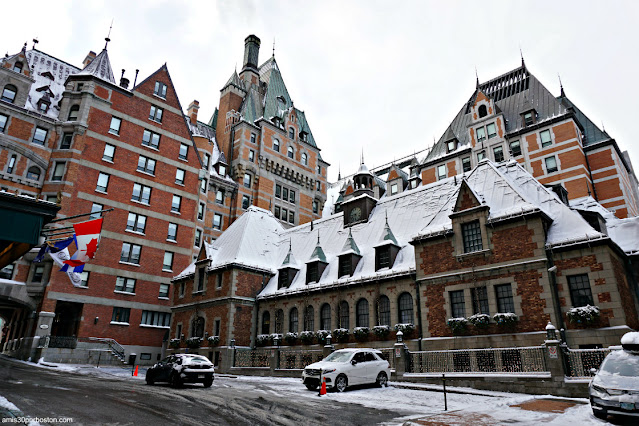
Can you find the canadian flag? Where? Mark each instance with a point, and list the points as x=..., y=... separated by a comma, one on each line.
x=87, y=237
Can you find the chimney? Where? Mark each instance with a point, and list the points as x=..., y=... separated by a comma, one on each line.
x=192, y=111
x=90, y=56
x=251, y=51
x=124, y=82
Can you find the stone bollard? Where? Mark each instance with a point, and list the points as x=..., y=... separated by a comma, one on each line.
x=401, y=359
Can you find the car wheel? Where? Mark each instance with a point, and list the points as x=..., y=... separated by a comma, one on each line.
x=600, y=414
x=176, y=382
x=311, y=387
x=382, y=379
x=207, y=383
x=341, y=383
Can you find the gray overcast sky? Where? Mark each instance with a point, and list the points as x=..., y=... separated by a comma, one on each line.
x=383, y=76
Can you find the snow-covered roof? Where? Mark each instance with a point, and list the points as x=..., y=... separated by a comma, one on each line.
x=100, y=67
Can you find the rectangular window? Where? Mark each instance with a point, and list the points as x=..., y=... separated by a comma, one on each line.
x=251, y=156
x=219, y=196
x=109, y=152
x=182, y=289
x=40, y=136
x=528, y=119
x=318, y=185
x=167, y=264
x=383, y=257
x=217, y=221
x=136, y=222
x=441, y=172
x=216, y=328
x=285, y=194
x=247, y=180
x=146, y=165
x=207, y=161
x=253, y=138
x=580, y=292
x=466, y=164
x=156, y=114
x=393, y=190
x=221, y=169
x=172, y=234
x=141, y=193
x=246, y=202
x=451, y=146
x=58, y=171
x=164, y=290
x=160, y=89
x=125, y=285
x=471, y=234
x=130, y=253
x=458, y=309
x=278, y=191
x=184, y=151
x=176, y=204
x=103, y=182
x=67, y=138
x=219, y=280
x=114, y=127
x=121, y=315
x=151, y=139
x=315, y=206
x=504, y=294
x=479, y=298
x=515, y=148
x=84, y=279
x=481, y=155
x=156, y=319
x=490, y=129
x=95, y=210
x=203, y=184
x=200, y=211
x=498, y=151
x=12, y=164
x=284, y=215
x=291, y=196
x=345, y=264
x=3, y=122
x=481, y=134
x=291, y=217
x=277, y=212
x=551, y=164
x=198, y=237
x=179, y=177
x=38, y=273
x=319, y=169
x=546, y=140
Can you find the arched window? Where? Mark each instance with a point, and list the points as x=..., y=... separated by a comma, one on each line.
x=17, y=67
x=383, y=311
x=309, y=319
x=291, y=133
x=304, y=159
x=292, y=323
x=33, y=173
x=343, y=314
x=279, y=321
x=276, y=145
x=266, y=323
x=290, y=152
x=405, y=308
x=362, y=313
x=483, y=112
x=197, y=329
x=325, y=317
x=9, y=93
x=73, y=113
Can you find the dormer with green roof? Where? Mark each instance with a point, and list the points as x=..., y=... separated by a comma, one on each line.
x=349, y=256
x=316, y=265
x=288, y=270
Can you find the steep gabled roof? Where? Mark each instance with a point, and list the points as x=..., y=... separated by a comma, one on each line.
x=100, y=67
x=593, y=134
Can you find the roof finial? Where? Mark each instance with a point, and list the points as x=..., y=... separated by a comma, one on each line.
x=522, y=56
x=362, y=156
x=603, y=127
x=35, y=41
x=273, y=46
x=588, y=188
x=318, y=242
x=270, y=201
x=339, y=171
x=108, y=35
x=561, y=86
x=290, y=244
x=476, y=78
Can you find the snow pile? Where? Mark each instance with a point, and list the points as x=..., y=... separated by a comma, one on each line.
x=631, y=338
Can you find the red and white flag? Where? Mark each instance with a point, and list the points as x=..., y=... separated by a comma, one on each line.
x=87, y=237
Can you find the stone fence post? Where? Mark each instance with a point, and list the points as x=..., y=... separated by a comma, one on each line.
x=401, y=359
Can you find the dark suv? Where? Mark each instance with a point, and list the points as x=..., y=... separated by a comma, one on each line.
x=182, y=368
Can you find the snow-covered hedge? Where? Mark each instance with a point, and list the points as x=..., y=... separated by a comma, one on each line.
x=505, y=318
x=583, y=315
x=278, y=336
x=320, y=335
x=381, y=331
x=307, y=337
x=407, y=328
x=340, y=334
x=457, y=325
x=174, y=343
x=263, y=339
x=290, y=338
x=213, y=340
x=361, y=333
x=480, y=320
x=194, y=342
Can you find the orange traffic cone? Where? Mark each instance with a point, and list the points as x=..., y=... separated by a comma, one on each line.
x=323, y=389
x=135, y=373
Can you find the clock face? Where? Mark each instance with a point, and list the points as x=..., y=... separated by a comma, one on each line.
x=356, y=214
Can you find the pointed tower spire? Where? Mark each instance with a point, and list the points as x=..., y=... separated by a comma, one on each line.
x=339, y=171
x=318, y=253
x=476, y=80
x=523, y=64
x=289, y=260
x=107, y=39
x=349, y=245
x=387, y=235
x=561, y=86
x=100, y=67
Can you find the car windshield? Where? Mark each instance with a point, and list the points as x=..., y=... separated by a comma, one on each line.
x=197, y=360
x=621, y=363
x=339, y=357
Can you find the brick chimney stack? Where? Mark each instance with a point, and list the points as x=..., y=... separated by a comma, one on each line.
x=90, y=56
x=192, y=111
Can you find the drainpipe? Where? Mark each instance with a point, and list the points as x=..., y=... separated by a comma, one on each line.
x=555, y=294
x=419, y=314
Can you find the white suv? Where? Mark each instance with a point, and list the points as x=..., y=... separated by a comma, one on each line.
x=348, y=367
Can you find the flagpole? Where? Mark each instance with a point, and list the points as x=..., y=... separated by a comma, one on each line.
x=82, y=215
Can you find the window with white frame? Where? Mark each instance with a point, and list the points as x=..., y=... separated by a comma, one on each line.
x=136, y=223
x=146, y=165
x=164, y=291
x=466, y=164
x=103, y=182
x=125, y=285
x=219, y=196
x=290, y=152
x=481, y=155
x=167, y=264
x=498, y=153
x=156, y=319
x=247, y=180
x=179, y=177
x=120, y=315
x=156, y=113
x=40, y=136
x=114, y=127
x=141, y=193
x=109, y=152
x=546, y=139
x=172, y=232
x=160, y=89
x=551, y=164
x=304, y=159
x=176, y=203
x=251, y=156
x=130, y=253
x=151, y=139
x=3, y=122
x=58, y=171
x=217, y=221
x=200, y=211
x=198, y=237
x=515, y=148
x=276, y=145
x=441, y=172
x=184, y=151
x=95, y=210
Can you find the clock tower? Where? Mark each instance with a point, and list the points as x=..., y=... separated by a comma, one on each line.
x=361, y=201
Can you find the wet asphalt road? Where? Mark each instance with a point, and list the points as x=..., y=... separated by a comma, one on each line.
x=91, y=400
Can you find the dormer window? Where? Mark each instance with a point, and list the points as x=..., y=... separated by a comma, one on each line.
x=281, y=99
x=529, y=117
x=291, y=133
x=286, y=277
x=451, y=145
x=303, y=135
x=43, y=107
x=347, y=264
x=221, y=169
x=17, y=67
x=471, y=234
x=483, y=111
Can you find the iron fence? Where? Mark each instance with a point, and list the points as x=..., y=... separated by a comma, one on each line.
x=291, y=359
x=580, y=361
x=62, y=342
x=389, y=355
x=500, y=360
x=247, y=357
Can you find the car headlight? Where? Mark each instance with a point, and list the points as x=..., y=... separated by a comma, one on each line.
x=598, y=389
x=330, y=370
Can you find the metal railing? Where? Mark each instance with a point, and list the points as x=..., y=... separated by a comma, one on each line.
x=389, y=355
x=580, y=361
x=247, y=357
x=63, y=342
x=291, y=359
x=501, y=360
x=112, y=344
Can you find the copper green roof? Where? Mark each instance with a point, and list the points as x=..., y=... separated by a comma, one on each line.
x=349, y=245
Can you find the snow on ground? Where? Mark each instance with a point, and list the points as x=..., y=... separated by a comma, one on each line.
x=6, y=405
